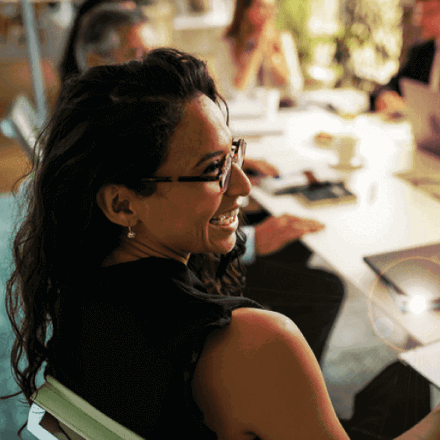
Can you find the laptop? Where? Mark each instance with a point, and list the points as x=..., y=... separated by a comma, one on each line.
x=424, y=114
x=410, y=272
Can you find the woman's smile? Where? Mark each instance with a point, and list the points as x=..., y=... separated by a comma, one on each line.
x=226, y=219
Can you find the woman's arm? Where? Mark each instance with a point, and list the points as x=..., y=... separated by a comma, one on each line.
x=295, y=80
x=259, y=377
x=248, y=60
x=275, y=60
x=427, y=429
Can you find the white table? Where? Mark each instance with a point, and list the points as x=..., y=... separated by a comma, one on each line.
x=389, y=214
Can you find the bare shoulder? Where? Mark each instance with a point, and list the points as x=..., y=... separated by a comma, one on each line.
x=274, y=320
x=259, y=376
x=256, y=326
x=250, y=335
x=252, y=329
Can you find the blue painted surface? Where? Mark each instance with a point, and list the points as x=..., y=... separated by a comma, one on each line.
x=13, y=414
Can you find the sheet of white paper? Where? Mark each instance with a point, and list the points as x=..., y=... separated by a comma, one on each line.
x=425, y=360
x=257, y=127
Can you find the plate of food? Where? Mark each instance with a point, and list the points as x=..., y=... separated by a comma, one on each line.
x=324, y=139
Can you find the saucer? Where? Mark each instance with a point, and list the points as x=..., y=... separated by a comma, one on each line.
x=355, y=164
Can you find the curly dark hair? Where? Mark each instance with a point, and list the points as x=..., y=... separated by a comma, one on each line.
x=93, y=141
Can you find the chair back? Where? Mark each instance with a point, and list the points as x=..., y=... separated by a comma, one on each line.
x=59, y=414
x=45, y=426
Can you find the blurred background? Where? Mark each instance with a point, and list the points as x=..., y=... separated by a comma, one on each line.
x=357, y=43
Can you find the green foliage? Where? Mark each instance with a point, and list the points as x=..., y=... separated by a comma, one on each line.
x=372, y=42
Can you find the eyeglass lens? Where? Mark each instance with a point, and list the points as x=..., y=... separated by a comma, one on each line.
x=227, y=174
x=238, y=159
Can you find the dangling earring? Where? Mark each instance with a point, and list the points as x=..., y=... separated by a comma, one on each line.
x=130, y=233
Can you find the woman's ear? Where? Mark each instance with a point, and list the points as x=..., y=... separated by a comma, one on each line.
x=115, y=203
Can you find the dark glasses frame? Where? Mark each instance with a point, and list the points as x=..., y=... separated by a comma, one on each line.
x=224, y=175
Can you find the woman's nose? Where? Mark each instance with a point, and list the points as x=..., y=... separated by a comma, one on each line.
x=239, y=185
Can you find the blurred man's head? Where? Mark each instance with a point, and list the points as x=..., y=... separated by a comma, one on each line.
x=427, y=17
x=112, y=33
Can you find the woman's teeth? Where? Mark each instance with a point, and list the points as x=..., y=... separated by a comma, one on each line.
x=225, y=219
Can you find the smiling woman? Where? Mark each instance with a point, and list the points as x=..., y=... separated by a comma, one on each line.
x=98, y=201
x=136, y=272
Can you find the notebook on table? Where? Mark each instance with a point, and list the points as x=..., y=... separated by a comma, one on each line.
x=409, y=273
x=424, y=114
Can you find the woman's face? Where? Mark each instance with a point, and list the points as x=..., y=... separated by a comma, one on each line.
x=261, y=11
x=178, y=217
x=136, y=42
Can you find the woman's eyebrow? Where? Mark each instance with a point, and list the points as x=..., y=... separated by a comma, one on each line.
x=208, y=156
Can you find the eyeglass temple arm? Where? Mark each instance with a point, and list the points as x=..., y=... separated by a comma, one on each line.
x=180, y=179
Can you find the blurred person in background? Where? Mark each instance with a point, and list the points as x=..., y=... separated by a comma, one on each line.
x=254, y=53
x=69, y=65
x=423, y=60
x=113, y=34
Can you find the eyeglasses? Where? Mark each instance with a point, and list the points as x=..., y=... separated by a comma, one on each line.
x=224, y=175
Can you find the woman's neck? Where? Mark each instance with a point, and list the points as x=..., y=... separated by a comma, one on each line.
x=133, y=249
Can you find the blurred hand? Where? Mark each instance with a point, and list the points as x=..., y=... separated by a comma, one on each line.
x=260, y=166
x=256, y=169
x=389, y=102
x=275, y=233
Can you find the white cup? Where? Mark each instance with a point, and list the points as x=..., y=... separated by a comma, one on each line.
x=272, y=103
x=346, y=147
x=270, y=98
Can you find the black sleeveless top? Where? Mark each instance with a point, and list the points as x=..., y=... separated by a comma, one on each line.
x=128, y=342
